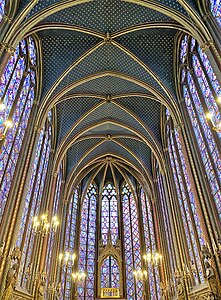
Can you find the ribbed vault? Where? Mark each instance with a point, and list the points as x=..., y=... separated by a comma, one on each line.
x=108, y=72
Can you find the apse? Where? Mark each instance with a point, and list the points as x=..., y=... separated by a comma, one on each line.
x=110, y=158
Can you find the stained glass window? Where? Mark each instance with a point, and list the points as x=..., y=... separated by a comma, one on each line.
x=2, y=9
x=70, y=244
x=132, y=249
x=166, y=217
x=191, y=223
x=215, y=6
x=109, y=213
x=49, y=264
x=150, y=244
x=110, y=275
x=201, y=90
x=33, y=202
x=17, y=93
x=87, y=253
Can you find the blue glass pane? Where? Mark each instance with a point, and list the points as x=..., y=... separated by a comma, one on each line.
x=186, y=201
x=183, y=49
x=86, y=262
x=70, y=244
x=216, y=10
x=109, y=213
x=33, y=203
x=131, y=243
x=2, y=9
x=10, y=84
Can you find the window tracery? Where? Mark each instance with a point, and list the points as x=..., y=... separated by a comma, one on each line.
x=33, y=202
x=17, y=93
x=110, y=274
x=69, y=245
x=132, y=244
x=201, y=90
x=150, y=245
x=109, y=213
x=51, y=240
x=168, y=231
x=87, y=249
x=186, y=200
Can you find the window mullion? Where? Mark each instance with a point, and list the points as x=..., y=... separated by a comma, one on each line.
x=206, y=75
x=36, y=208
x=181, y=206
x=10, y=77
x=14, y=139
x=189, y=208
x=205, y=139
x=204, y=104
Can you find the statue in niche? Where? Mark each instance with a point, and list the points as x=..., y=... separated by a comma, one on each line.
x=179, y=286
x=2, y=245
x=210, y=274
x=12, y=275
x=58, y=292
x=211, y=277
x=205, y=252
x=41, y=287
x=40, y=293
x=162, y=291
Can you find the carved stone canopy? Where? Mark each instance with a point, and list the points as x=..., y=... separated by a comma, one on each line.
x=110, y=250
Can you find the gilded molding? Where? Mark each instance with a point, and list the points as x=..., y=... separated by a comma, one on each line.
x=206, y=45
x=7, y=47
x=7, y=19
x=104, y=252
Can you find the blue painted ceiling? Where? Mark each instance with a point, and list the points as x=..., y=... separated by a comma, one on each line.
x=131, y=68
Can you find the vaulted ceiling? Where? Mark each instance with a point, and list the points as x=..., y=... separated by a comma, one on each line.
x=108, y=69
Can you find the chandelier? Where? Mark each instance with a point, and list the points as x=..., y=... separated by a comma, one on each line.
x=153, y=258
x=42, y=226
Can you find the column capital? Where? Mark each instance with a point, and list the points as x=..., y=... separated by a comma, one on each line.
x=65, y=201
x=6, y=18
x=181, y=100
x=7, y=47
x=208, y=15
x=55, y=174
x=178, y=126
x=38, y=128
x=206, y=45
x=163, y=171
x=153, y=200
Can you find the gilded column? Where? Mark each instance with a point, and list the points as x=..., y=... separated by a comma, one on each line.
x=17, y=200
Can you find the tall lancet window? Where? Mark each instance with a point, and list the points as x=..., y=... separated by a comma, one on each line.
x=109, y=213
x=50, y=260
x=150, y=245
x=69, y=245
x=87, y=240
x=186, y=199
x=33, y=204
x=17, y=93
x=215, y=6
x=200, y=90
x=167, y=222
x=131, y=243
